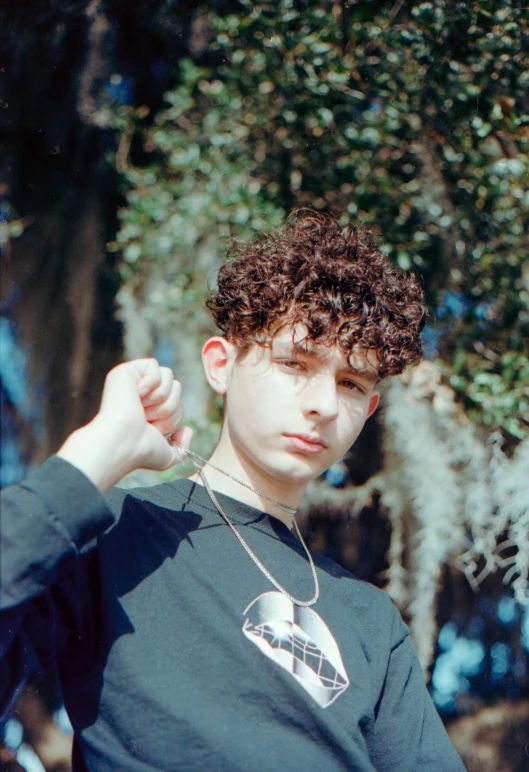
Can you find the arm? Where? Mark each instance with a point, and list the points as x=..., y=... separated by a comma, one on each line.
x=410, y=736
x=48, y=519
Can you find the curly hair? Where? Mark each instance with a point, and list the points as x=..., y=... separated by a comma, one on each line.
x=329, y=278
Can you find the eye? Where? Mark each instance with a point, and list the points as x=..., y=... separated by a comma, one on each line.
x=352, y=386
x=292, y=364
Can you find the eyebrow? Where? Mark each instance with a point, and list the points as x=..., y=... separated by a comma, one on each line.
x=297, y=348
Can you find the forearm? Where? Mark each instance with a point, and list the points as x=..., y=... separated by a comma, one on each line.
x=44, y=518
x=101, y=453
x=46, y=521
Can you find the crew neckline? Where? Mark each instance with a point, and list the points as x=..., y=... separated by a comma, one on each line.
x=238, y=512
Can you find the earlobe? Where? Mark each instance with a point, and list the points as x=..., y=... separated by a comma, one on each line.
x=216, y=355
x=373, y=403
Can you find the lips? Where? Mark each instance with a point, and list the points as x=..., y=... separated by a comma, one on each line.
x=306, y=442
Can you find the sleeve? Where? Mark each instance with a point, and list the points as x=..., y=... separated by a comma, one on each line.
x=45, y=522
x=409, y=735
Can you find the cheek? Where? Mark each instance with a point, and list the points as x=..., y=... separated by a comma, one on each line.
x=251, y=408
x=268, y=393
x=352, y=419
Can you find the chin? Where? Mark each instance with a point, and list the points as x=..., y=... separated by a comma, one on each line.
x=295, y=470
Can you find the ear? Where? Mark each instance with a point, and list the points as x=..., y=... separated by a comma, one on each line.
x=373, y=403
x=217, y=356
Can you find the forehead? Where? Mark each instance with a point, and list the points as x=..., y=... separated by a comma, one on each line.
x=294, y=341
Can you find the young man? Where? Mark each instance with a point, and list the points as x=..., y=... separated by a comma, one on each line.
x=191, y=629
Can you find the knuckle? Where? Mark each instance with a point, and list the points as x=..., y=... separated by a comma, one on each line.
x=152, y=367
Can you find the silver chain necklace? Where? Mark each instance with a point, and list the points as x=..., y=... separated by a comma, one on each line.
x=251, y=553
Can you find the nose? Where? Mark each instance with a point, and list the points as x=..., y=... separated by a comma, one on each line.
x=321, y=398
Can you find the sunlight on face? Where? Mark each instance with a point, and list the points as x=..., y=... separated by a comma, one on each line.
x=293, y=410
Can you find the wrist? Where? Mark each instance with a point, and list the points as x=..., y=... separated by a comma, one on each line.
x=99, y=453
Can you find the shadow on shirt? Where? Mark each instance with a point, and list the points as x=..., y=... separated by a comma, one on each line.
x=89, y=590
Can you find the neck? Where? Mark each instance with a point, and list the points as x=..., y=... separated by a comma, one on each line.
x=285, y=493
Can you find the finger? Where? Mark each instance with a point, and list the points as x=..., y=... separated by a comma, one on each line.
x=150, y=376
x=163, y=390
x=171, y=408
x=172, y=414
x=182, y=436
x=138, y=376
x=165, y=426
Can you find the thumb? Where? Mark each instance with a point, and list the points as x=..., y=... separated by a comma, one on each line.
x=182, y=436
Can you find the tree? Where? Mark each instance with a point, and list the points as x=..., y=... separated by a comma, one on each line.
x=59, y=188
x=412, y=119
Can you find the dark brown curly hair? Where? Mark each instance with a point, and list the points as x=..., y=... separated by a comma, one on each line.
x=328, y=277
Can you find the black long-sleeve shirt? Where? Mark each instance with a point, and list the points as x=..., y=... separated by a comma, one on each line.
x=176, y=653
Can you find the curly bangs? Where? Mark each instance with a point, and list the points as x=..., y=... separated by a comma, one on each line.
x=327, y=277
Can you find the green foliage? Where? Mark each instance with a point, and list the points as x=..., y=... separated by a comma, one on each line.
x=409, y=118
x=497, y=394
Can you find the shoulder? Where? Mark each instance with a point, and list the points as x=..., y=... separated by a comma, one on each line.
x=151, y=524
x=155, y=512
x=166, y=497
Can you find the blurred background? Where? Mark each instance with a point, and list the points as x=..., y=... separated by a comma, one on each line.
x=137, y=137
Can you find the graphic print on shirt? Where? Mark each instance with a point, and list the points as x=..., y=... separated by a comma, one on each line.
x=298, y=640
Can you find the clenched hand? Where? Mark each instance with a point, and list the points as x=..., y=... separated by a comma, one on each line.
x=140, y=406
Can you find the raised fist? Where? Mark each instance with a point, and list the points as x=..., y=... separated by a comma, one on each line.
x=141, y=406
